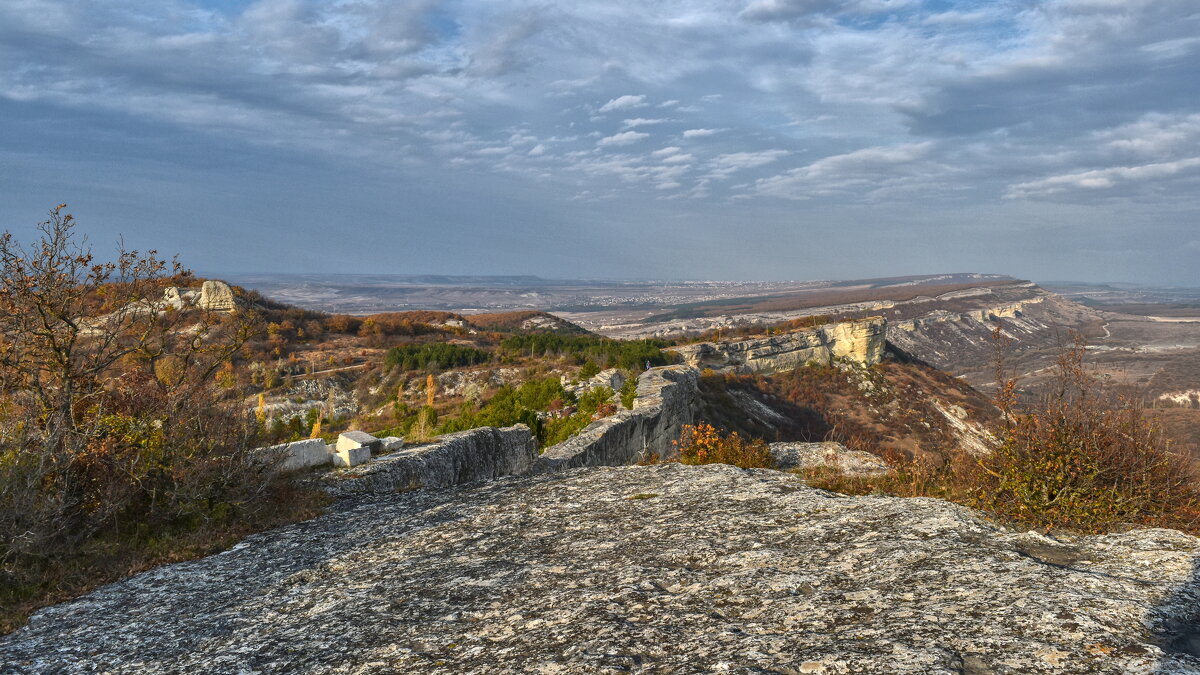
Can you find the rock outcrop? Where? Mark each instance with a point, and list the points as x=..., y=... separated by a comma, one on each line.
x=862, y=341
x=666, y=400
x=465, y=457
x=216, y=296
x=641, y=569
x=835, y=456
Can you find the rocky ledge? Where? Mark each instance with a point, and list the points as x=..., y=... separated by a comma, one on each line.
x=641, y=569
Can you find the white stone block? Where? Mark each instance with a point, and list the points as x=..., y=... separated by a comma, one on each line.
x=351, y=457
x=303, y=454
x=392, y=444
x=357, y=439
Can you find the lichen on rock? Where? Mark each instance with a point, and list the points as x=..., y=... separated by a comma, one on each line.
x=662, y=568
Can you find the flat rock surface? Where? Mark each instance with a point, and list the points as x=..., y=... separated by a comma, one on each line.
x=640, y=569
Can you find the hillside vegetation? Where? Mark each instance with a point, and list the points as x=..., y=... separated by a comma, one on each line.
x=121, y=445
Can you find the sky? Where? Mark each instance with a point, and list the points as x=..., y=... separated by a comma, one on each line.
x=680, y=139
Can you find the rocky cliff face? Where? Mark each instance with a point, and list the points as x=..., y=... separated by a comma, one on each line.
x=641, y=569
x=666, y=400
x=862, y=341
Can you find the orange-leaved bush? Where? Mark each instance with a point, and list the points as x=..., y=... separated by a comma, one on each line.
x=704, y=444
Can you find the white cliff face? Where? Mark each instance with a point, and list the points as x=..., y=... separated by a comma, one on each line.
x=642, y=569
x=861, y=341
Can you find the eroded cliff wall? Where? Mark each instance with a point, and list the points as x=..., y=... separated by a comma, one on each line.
x=862, y=341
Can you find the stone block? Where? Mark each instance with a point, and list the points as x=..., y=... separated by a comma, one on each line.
x=302, y=454
x=349, y=457
x=358, y=439
x=392, y=444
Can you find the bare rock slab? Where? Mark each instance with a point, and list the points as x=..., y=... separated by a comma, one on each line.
x=835, y=456
x=659, y=569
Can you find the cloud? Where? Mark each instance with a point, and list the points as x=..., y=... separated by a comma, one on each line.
x=725, y=165
x=625, y=102
x=641, y=122
x=926, y=110
x=793, y=10
x=1104, y=179
x=623, y=138
x=864, y=170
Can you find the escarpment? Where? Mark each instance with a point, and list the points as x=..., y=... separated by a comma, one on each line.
x=861, y=341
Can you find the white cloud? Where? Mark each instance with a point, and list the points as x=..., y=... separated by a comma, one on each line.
x=698, y=133
x=623, y=138
x=670, y=150
x=625, y=102
x=537, y=150
x=725, y=165
x=640, y=122
x=864, y=170
x=1103, y=179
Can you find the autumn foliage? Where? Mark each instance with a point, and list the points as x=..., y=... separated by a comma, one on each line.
x=1084, y=457
x=705, y=444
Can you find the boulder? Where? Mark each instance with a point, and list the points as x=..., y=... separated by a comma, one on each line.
x=350, y=457
x=217, y=296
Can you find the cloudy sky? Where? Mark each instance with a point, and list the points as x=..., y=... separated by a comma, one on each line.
x=762, y=139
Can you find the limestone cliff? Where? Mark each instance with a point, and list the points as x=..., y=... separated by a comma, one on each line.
x=666, y=400
x=862, y=341
x=655, y=569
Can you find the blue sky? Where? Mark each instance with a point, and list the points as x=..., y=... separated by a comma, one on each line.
x=764, y=139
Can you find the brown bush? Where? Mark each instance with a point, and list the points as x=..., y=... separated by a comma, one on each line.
x=1086, y=458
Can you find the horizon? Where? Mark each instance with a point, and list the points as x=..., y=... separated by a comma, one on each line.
x=701, y=140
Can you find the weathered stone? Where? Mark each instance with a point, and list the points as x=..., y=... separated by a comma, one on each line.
x=861, y=341
x=464, y=457
x=172, y=298
x=217, y=296
x=800, y=456
x=612, y=378
x=392, y=444
x=303, y=454
x=641, y=569
x=350, y=440
x=350, y=457
x=666, y=400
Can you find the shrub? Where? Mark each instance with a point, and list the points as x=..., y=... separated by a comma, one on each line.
x=1084, y=458
x=629, y=392
x=705, y=444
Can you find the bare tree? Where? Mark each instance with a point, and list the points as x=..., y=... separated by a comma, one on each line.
x=108, y=408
